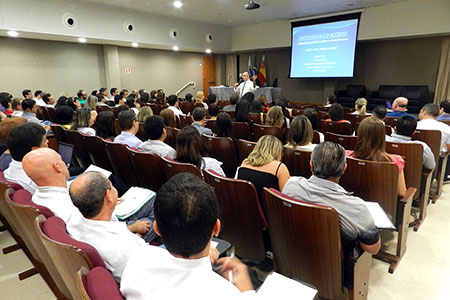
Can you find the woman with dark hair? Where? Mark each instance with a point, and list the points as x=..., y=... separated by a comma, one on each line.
x=83, y=119
x=312, y=116
x=242, y=110
x=64, y=116
x=191, y=149
x=256, y=107
x=336, y=113
x=213, y=111
x=224, y=125
x=188, y=97
x=169, y=117
x=118, y=100
x=105, y=126
x=301, y=134
x=71, y=101
x=249, y=96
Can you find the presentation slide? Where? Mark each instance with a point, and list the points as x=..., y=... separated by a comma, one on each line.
x=324, y=50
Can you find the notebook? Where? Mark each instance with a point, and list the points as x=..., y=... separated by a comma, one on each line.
x=380, y=218
x=132, y=201
x=277, y=286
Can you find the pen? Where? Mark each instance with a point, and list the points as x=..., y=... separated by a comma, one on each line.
x=230, y=273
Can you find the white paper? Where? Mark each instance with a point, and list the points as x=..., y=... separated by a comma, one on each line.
x=380, y=218
x=214, y=244
x=277, y=286
x=93, y=168
x=133, y=200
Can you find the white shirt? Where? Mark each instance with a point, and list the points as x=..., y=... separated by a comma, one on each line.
x=87, y=131
x=210, y=163
x=57, y=199
x=245, y=87
x=39, y=102
x=431, y=124
x=176, y=111
x=17, y=113
x=16, y=174
x=154, y=273
x=157, y=147
x=112, y=239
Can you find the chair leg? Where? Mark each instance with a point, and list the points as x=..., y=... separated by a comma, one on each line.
x=28, y=273
x=424, y=196
x=440, y=177
x=3, y=228
x=361, y=274
x=11, y=248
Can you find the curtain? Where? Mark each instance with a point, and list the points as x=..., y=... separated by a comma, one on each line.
x=442, y=91
x=231, y=70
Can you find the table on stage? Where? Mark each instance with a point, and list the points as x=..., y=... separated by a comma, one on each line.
x=224, y=92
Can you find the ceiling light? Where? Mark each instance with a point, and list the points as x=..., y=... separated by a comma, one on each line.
x=135, y=45
x=175, y=48
x=82, y=40
x=208, y=51
x=13, y=33
x=177, y=4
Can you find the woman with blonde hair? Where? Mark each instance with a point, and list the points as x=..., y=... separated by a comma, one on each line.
x=263, y=166
x=199, y=97
x=144, y=113
x=83, y=119
x=91, y=102
x=301, y=134
x=360, y=107
x=275, y=116
x=169, y=117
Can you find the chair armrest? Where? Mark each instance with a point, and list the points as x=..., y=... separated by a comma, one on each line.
x=361, y=273
x=408, y=196
x=427, y=172
x=362, y=256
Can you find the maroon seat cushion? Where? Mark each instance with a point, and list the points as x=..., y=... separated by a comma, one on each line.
x=101, y=285
x=24, y=197
x=15, y=186
x=55, y=228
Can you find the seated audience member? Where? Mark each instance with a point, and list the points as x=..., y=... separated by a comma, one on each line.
x=282, y=103
x=444, y=113
x=48, y=100
x=118, y=100
x=133, y=104
x=5, y=128
x=224, y=125
x=153, y=95
x=234, y=98
x=188, y=97
x=404, y=129
x=331, y=99
x=92, y=102
x=427, y=116
x=186, y=212
x=71, y=101
x=122, y=108
x=283, y=100
x=104, y=94
x=156, y=132
x=129, y=126
x=399, y=108
x=160, y=97
x=113, y=92
x=105, y=126
x=21, y=140
x=191, y=149
x=265, y=106
x=38, y=98
x=174, y=105
x=16, y=105
x=94, y=93
x=263, y=166
x=275, y=117
x=360, y=107
x=379, y=113
x=212, y=99
x=82, y=96
x=83, y=119
x=144, y=113
x=336, y=113
x=301, y=134
x=312, y=116
x=6, y=105
x=29, y=111
x=250, y=97
x=64, y=116
x=145, y=98
x=242, y=110
x=169, y=117
x=124, y=94
x=199, y=121
x=96, y=198
x=213, y=111
x=328, y=163
x=27, y=94
x=199, y=98
x=256, y=107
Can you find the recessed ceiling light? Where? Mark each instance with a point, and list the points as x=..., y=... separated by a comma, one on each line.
x=82, y=40
x=13, y=33
x=177, y=4
x=175, y=48
x=135, y=45
x=208, y=51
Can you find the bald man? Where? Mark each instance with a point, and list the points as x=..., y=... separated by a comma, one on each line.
x=399, y=108
x=246, y=85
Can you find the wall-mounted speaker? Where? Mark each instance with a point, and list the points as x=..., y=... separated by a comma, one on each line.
x=69, y=21
x=209, y=38
x=173, y=34
x=129, y=27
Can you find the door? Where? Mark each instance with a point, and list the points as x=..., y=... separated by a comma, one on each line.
x=208, y=72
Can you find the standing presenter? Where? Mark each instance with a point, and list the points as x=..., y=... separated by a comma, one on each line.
x=246, y=85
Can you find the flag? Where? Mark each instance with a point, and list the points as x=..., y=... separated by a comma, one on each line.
x=251, y=69
x=262, y=72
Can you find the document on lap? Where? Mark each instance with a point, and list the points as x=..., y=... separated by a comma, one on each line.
x=282, y=287
x=93, y=168
x=380, y=218
x=132, y=201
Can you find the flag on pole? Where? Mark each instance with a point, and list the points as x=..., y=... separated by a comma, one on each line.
x=262, y=71
x=252, y=70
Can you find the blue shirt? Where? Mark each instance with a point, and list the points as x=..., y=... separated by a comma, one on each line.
x=398, y=114
x=443, y=117
x=128, y=139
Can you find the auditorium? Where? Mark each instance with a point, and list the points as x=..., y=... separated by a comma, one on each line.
x=226, y=149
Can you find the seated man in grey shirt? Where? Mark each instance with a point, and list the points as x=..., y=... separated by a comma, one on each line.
x=328, y=163
x=234, y=98
x=199, y=121
x=404, y=129
x=156, y=132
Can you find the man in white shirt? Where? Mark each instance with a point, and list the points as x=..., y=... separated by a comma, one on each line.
x=186, y=219
x=96, y=198
x=173, y=105
x=130, y=126
x=427, y=117
x=246, y=85
x=38, y=98
x=27, y=94
x=21, y=140
x=156, y=132
x=48, y=100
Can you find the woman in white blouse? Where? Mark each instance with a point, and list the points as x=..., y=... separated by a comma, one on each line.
x=301, y=134
x=83, y=119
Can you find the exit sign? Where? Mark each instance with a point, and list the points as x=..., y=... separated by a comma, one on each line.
x=128, y=70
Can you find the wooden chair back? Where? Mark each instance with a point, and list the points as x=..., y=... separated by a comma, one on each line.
x=148, y=169
x=60, y=133
x=97, y=284
x=211, y=124
x=322, y=115
x=171, y=137
x=186, y=107
x=348, y=110
x=445, y=121
x=51, y=114
x=432, y=138
x=185, y=121
x=120, y=162
x=100, y=108
x=97, y=152
x=316, y=137
x=355, y=119
x=172, y=168
x=244, y=148
x=343, y=128
x=387, y=128
x=297, y=112
x=297, y=162
x=117, y=128
x=81, y=153
x=294, y=224
x=141, y=134
x=261, y=130
x=231, y=113
x=155, y=108
x=224, y=150
x=240, y=215
x=391, y=121
x=346, y=141
x=241, y=130
x=255, y=117
x=6, y=211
